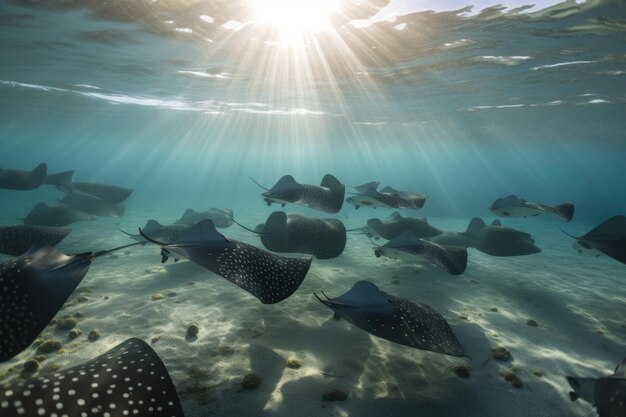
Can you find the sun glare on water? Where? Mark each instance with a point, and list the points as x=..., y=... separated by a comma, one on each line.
x=293, y=18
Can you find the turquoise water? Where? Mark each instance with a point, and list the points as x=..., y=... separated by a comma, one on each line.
x=463, y=108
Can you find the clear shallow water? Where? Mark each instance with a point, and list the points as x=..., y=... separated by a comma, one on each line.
x=461, y=109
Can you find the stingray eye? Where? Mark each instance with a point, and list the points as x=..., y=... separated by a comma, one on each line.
x=584, y=244
x=377, y=252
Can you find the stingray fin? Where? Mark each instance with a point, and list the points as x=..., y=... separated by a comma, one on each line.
x=475, y=225
x=565, y=210
x=620, y=370
x=286, y=182
x=364, y=187
x=613, y=227
x=189, y=213
x=330, y=181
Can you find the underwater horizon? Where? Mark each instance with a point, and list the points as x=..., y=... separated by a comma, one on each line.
x=208, y=104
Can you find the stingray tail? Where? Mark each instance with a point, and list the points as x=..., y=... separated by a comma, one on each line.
x=248, y=229
x=149, y=239
x=104, y=252
x=266, y=189
x=128, y=234
x=573, y=237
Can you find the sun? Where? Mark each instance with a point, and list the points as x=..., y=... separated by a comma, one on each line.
x=294, y=18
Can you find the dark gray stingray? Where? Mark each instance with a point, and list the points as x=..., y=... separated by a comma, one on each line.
x=109, y=193
x=512, y=206
x=12, y=179
x=59, y=179
x=168, y=233
x=40, y=281
x=93, y=205
x=327, y=197
x=17, y=239
x=221, y=218
x=608, y=238
x=128, y=380
x=295, y=233
x=407, y=247
x=607, y=394
x=268, y=277
x=395, y=319
x=395, y=225
x=58, y=215
x=493, y=240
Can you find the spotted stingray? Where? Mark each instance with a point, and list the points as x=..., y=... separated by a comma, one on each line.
x=37, y=284
x=13, y=179
x=128, y=380
x=608, y=394
x=17, y=239
x=398, y=320
x=327, y=197
x=268, y=277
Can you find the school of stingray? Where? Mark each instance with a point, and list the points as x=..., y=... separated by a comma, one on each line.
x=36, y=283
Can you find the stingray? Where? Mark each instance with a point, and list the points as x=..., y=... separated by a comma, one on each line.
x=295, y=233
x=109, y=193
x=607, y=394
x=37, y=284
x=609, y=238
x=59, y=179
x=407, y=247
x=398, y=320
x=364, y=187
x=396, y=225
x=326, y=197
x=93, y=205
x=368, y=196
x=128, y=380
x=374, y=199
x=495, y=240
x=12, y=179
x=17, y=239
x=168, y=233
x=268, y=277
x=221, y=218
x=512, y=206
x=59, y=215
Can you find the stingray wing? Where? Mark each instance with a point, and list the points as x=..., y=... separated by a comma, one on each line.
x=268, y=277
x=364, y=187
x=41, y=280
x=396, y=319
x=129, y=379
x=610, y=397
x=108, y=193
x=609, y=238
x=17, y=239
x=23, y=180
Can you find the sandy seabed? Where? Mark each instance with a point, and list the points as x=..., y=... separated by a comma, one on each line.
x=578, y=302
